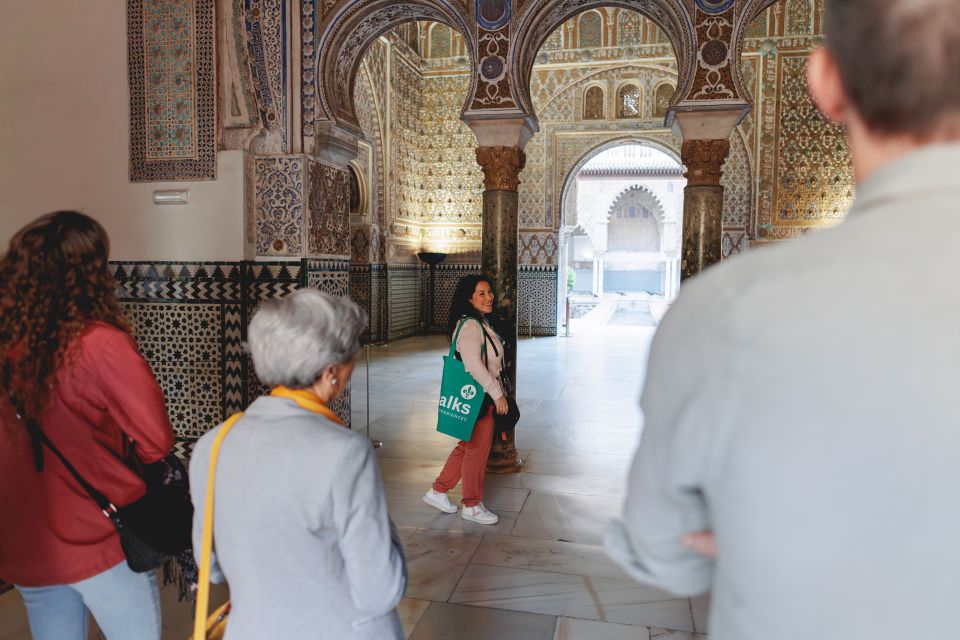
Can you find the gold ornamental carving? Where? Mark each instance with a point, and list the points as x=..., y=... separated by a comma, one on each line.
x=501, y=167
x=704, y=161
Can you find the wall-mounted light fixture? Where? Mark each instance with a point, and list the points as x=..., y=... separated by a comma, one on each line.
x=171, y=196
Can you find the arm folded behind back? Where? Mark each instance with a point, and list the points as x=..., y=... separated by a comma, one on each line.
x=686, y=410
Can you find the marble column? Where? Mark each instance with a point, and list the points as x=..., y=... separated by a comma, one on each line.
x=501, y=171
x=702, y=204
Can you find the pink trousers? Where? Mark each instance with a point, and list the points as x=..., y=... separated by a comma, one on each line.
x=468, y=460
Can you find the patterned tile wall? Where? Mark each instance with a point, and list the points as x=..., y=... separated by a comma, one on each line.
x=360, y=292
x=404, y=294
x=189, y=323
x=368, y=287
x=332, y=276
x=538, y=300
x=378, y=302
x=446, y=277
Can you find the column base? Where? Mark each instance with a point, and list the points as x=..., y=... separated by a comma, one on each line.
x=503, y=467
x=504, y=457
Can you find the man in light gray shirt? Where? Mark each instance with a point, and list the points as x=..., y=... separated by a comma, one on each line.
x=801, y=448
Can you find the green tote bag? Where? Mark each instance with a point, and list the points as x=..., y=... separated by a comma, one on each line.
x=460, y=395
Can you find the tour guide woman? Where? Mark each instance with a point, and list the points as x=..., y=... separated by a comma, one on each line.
x=481, y=351
x=69, y=361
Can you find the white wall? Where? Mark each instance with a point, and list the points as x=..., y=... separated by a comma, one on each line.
x=64, y=141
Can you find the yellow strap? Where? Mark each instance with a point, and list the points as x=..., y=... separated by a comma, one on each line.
x=206, y=537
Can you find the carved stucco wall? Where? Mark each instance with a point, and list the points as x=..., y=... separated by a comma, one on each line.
x=802, y=171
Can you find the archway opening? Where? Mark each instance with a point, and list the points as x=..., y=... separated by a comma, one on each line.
x=605, y=75
x=421, y=192
x=622, y=220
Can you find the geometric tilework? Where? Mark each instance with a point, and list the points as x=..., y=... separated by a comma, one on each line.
x=177, y=332
x=360, y=292
x=178, y=281
x=173, y=87
x=194, y=394
x=190, y=322
x=378, y=303
x=403, y=300
x=332, y=276
x=267, y=280
x=368, y=288
x=447, y=277
x=537, y=292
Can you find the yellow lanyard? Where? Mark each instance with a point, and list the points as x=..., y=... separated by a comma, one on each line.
x=307, y=400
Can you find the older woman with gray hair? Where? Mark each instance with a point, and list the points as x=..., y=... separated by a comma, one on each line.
x=301, y=532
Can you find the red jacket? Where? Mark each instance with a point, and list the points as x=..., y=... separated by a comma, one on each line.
x=51, y=531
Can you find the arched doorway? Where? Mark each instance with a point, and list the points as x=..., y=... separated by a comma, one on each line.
x=621, y=219
x=590, y=89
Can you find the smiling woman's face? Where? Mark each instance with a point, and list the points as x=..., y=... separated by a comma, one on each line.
x=482, y=298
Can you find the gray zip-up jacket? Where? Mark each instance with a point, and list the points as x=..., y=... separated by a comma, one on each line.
x=301, y=532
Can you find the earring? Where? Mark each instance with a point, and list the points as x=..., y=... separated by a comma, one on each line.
x=333, y=382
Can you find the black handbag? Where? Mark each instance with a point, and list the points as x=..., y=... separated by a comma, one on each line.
x=153, y=529
x=510, y=419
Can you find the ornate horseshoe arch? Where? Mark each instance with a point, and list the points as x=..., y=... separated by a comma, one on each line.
x=346, y=34
x=541, y=19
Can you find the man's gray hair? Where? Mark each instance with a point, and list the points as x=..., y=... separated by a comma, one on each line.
x=294, y=339
x=898, y=60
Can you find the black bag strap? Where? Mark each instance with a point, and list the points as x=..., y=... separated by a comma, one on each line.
x=486, y=336
x=38, y=439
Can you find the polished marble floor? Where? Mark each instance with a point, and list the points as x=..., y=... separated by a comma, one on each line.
x=541, y=571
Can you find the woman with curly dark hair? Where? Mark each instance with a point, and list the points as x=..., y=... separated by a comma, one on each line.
x=68, y=361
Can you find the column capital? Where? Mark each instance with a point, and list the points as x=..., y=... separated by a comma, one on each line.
x=704, y=160
x=501, y=167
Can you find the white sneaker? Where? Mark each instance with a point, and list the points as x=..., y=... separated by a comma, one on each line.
x=479, y=514
x=439, y=501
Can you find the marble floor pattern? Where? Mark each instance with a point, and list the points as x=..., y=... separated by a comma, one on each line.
x=541, y=572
